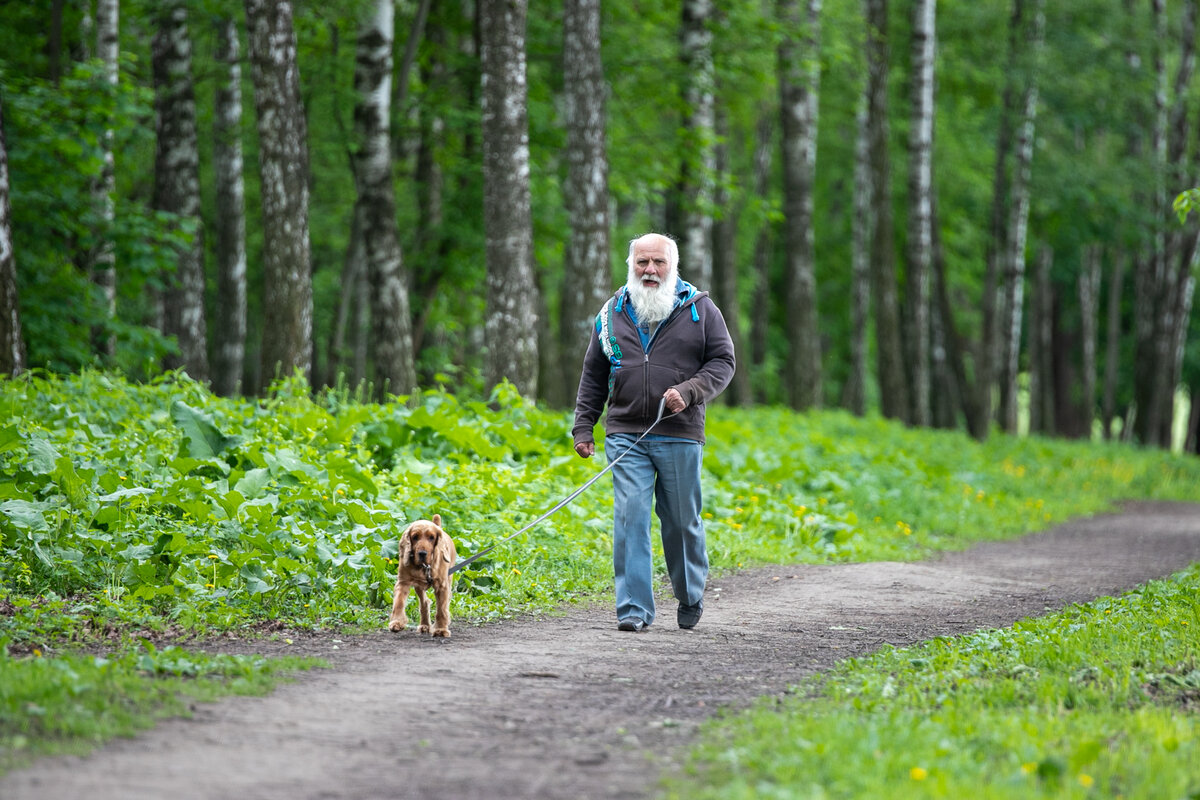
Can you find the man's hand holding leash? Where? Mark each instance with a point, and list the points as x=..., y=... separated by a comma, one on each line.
x=671, y=398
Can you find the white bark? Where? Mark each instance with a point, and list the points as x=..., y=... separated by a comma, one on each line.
x=587, y=273
x=699, y=167
x=103, y=263
x=1018, y=227
x=177, y=186
x=283, y=170
x=512, y=320
x=391, y=320
x=230, y=230
x=12, y=342
x=860, y=266
x=799, y=86
x=920, y=232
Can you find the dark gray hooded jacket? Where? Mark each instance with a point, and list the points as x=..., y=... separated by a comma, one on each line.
x=691, y=351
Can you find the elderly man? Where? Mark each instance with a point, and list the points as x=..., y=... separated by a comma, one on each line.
x=657, y=337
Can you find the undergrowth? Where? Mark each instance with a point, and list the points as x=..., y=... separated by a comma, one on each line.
x=144, y=511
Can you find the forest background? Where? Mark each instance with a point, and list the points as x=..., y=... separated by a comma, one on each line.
x=959, y=214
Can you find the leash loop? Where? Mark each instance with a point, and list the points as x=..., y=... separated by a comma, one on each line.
x=662, y=404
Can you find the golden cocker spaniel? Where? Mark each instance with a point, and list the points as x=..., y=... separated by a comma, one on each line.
x=426, y=555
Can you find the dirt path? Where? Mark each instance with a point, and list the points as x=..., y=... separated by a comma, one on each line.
x=568, y=707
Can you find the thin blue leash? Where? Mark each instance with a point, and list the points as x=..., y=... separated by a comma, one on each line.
x=661, y=407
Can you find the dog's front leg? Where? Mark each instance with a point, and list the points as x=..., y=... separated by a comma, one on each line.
x=441, y=592
x=397, y=621
x=421, y=596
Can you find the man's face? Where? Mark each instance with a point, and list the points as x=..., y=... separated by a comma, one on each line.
x=651, y=269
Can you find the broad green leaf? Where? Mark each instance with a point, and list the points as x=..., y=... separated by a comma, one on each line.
x=253, y=482
x=200, y=434
x=122, y=494
x=43, y=456
x=10, y=437
x=25, y=513
x=255, y=578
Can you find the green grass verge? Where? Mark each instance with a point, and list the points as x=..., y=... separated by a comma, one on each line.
x=73, y=702
x=1100, y=700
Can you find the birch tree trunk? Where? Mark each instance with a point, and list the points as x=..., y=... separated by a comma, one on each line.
x=283, y=167
x=854, y=395
x=103, y=256
x=799, y=85
x=12, y=341
x=512, y=320
x=893, y=387
x=391, y=318
x=992, y=309
x=1181, y=245
x=177, y=187
x=1041, y=344
x=760, y=321
x=920, y=235
x=1089, y=319
x=1018, y=225
x=699, y=167
x=229, y=345
x=1151, y=270
x=725, y=268
x=587, y=269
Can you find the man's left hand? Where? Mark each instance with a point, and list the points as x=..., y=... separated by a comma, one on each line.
x=674, y=400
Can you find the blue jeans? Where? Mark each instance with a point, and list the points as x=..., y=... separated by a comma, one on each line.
x=664, y=471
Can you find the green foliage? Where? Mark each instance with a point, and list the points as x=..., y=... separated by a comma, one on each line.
x=214, y=511
x=1093, y=701
x=54, y=142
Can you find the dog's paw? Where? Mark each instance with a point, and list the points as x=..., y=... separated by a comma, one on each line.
x=423, y=629
x=397, y=625
x=441, y=633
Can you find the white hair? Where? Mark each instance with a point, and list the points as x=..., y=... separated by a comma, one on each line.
x=669, y=243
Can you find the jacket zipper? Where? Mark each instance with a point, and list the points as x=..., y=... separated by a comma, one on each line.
x=647, y=405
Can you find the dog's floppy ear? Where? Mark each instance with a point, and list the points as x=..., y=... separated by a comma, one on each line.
x=405, y=553
x=437, y=520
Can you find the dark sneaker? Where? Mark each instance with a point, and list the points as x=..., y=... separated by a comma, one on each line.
x=631, y=624
x=688, y=616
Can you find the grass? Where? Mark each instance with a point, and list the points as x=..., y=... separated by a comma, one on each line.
x=69, y=703
x=1099, y=700
x=162, y=509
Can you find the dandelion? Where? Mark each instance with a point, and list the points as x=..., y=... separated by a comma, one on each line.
x=124, y=478
x=918, y=773
x=209, y=586
x=1086, y=781
x=516, y=571
x=37, y=653
x=213, y=556
x=341, y=491
x=1029, y=768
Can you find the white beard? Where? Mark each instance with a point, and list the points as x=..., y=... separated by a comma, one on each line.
x=652, y=306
